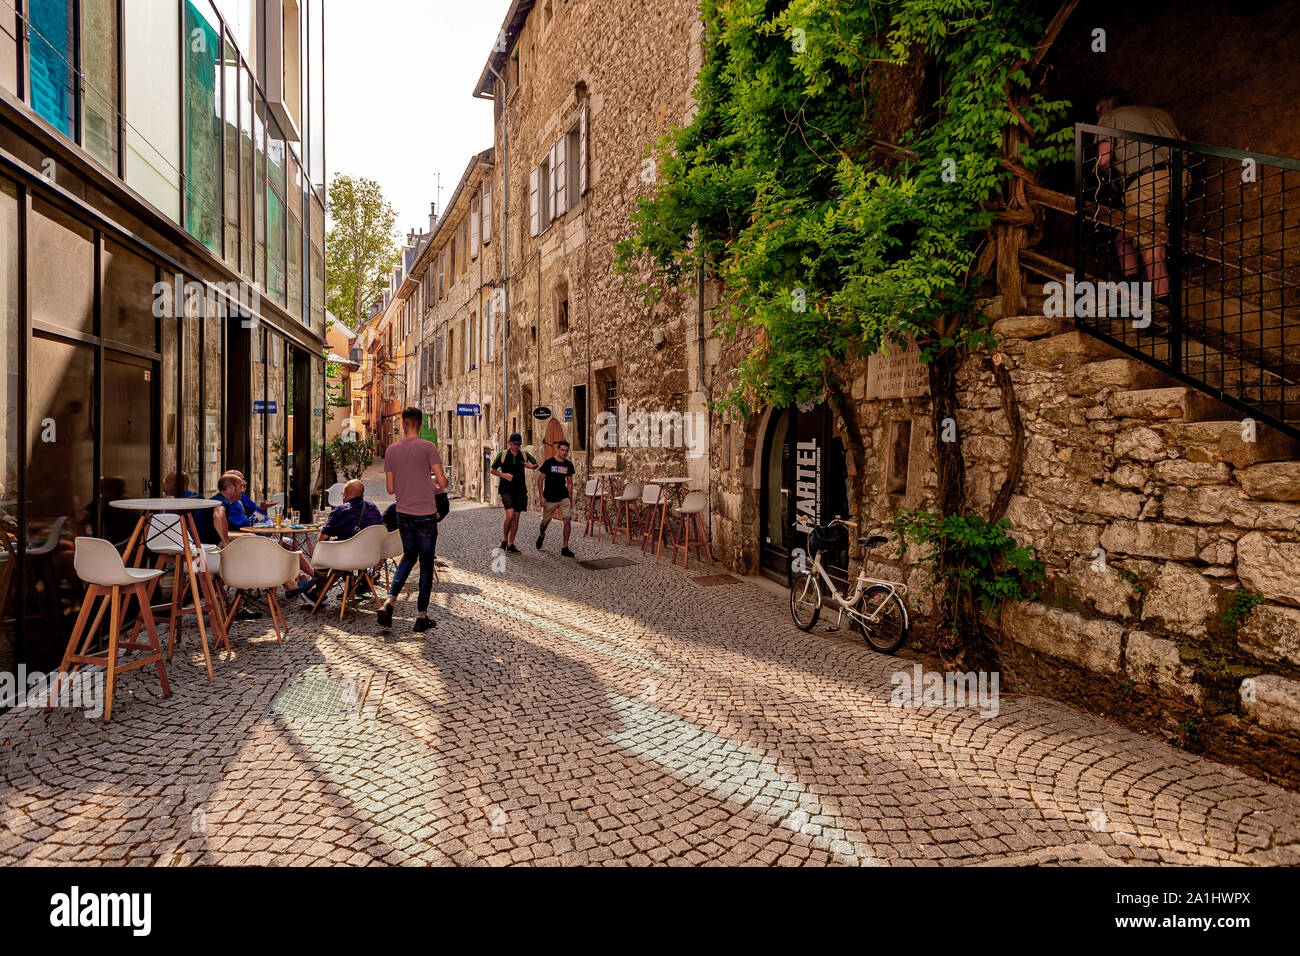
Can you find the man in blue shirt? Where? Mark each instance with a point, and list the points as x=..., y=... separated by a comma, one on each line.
x=252, y=509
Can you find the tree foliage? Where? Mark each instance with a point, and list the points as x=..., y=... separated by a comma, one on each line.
x=361, y=246
x=780, y=187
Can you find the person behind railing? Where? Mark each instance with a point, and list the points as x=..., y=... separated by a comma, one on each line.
x=1146, y=176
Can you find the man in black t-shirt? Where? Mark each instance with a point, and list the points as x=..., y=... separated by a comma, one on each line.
x=509, y=466
x=555, y=485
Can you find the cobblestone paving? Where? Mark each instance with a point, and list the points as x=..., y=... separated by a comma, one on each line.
x=559, y=715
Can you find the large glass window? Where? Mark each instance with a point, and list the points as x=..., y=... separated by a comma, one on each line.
x=203, y=101
x=60, y=487
x=153, y=133
x=213, y=350
x=9, y=531
x=50, y=57
x=8, y=49
x=275, y=208
x=277, y=410
x=99, y=79
x=294, y=241
x=315, y=145
x=230, y=93
x=128, y=298
x=246, y=171
x=259, y=190
x=63, y=287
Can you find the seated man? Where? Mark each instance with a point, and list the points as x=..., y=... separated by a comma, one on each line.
x=345, y=521
x=177, y=485
x=254, y=511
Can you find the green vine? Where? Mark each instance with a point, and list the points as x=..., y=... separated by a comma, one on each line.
x=971, y=556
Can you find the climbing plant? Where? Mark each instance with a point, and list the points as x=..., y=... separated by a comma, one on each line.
x=830, y=242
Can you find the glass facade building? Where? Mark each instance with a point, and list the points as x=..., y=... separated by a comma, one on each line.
x=162, y=295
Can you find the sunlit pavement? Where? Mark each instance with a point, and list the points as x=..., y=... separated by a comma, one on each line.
x=560, y=715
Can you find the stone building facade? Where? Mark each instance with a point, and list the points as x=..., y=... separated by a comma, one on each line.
x=1172, y=599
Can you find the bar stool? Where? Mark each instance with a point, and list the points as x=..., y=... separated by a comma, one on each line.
x=623, y=514
x=99, y=565
x=595, y=499
x=691, y=514
x=652, y=501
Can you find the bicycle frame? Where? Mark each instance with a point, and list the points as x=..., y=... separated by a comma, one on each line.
x=848, y=604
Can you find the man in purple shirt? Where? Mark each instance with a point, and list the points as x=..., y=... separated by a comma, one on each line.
x=413, y=471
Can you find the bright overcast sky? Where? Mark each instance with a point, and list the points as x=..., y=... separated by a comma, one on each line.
x=399, y=107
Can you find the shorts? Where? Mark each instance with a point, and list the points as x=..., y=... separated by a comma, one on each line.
x=1146, y=207
x=564, y=506
x=514, y=502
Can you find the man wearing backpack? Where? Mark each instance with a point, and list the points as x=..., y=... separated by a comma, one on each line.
x=509, y=466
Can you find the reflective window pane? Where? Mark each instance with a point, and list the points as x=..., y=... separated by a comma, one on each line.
x=153, y=129
x=9, y=379
x=230, y=92
x=62, y=273
x=50, y=59
x=203, y=103
x=60, y=488
x=128, y=297
x=99, y=64
x=213, y=350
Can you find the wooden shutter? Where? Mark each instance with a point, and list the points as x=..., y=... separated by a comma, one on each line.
x=582, y=152
x=489, y=333
x=475, y=209
x=559, y=175
x=534, y=207
x=487, y=211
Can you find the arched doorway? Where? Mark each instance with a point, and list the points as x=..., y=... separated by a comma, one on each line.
x=804, y=481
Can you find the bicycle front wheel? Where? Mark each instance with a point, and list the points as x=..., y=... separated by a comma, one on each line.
x=805, y=600
x=884, y=620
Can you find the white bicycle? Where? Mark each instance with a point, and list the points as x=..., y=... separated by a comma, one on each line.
x=875, y=607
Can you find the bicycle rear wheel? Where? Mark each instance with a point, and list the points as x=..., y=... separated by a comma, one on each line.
x=805, y=600
x=884, y=619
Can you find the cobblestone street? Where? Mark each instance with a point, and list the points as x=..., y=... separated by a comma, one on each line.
x=561, y=715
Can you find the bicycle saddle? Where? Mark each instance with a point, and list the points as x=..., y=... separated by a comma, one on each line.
x=871, y=542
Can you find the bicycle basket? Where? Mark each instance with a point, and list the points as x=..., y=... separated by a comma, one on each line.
x=826, y=539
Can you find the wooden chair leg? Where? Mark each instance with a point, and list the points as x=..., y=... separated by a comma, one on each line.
x=378, y=603
x=115, y=622
x=234, y=607
x=347, y=589
x=273, y=607
x=147, y=613
x=71, y=650
x=329, y=580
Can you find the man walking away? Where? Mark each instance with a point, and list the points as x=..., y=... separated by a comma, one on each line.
x=509, y=466
x=555, y=486
x=414, y=474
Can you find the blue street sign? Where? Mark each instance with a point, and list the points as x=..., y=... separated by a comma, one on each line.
x=467, y=410
x=263, y=408
x=568, y=414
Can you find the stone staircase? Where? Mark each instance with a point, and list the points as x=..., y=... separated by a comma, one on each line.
x=1170, y=526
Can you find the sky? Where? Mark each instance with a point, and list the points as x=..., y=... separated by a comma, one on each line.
x=399, y=105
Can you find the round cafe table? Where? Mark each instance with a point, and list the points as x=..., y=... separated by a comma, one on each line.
x=200, y=582
x=299, y=536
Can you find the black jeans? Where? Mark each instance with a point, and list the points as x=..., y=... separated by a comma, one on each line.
x=419, y=540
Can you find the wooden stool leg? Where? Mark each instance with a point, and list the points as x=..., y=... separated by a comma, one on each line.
x=91, y=594
x=147, y=613
x=686, y=552
x=115, y=622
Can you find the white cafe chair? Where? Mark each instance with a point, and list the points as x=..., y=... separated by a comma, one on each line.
x=250, y=563
x=334, y=496
x=351, y=560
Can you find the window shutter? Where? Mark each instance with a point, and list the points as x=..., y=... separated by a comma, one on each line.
x=582, y=152
x=559, y=176
x=534, y=207
x=465, y=335
x=487, y=211
x=475, y=209
x=550, y=198
x=491, y=330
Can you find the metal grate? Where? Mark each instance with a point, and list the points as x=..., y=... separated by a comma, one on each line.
x=1209, y=237
x=318, y=693
x=602, y=564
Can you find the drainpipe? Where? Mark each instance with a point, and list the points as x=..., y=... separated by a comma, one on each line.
x=505, y=254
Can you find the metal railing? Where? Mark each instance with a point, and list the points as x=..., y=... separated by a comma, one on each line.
x=1188, y=257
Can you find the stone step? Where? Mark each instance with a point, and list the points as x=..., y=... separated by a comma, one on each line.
x=1030, y=327
x=1116, y=373
x=1069, y=350
x=1229, y=441
x=1177, y=401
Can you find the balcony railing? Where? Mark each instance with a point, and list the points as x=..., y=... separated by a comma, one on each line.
x=1191, y=258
